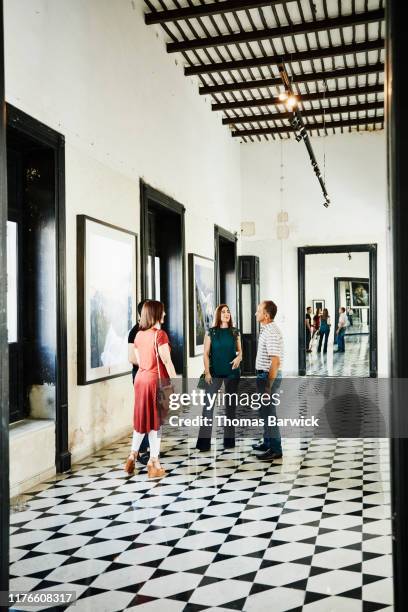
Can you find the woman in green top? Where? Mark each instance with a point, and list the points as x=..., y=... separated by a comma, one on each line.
x=222, y=356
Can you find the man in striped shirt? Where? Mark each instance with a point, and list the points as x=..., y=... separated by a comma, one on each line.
x=268, y=364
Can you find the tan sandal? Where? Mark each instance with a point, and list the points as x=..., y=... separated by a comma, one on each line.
x=130, y=464
x=155, y=472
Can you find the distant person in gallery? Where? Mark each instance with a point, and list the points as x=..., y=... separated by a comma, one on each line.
x=316, y=323
x=350, y=316
x=222, y=358
x=341, y=329
x=142, y=456
x=153, y=357
x=324, y=330
x=308, y=328
x=268, y=364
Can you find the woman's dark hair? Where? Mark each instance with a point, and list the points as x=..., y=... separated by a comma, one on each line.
x=325, y=314
x=152, y=313
x=217, y=316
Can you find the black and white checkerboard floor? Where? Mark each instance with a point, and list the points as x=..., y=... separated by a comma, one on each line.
x=220, y=532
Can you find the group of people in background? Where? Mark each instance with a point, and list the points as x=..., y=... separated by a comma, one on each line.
x=150, y=356
x=319, y=325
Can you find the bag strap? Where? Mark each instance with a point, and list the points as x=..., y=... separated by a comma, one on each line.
x=157, y=354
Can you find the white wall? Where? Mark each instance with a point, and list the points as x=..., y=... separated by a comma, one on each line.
x=356, y=182
x=321, y=270
x=96, y=73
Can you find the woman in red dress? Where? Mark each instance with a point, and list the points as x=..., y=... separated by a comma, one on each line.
x=152, y=352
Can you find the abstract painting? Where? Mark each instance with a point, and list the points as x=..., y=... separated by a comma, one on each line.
x=106, y=276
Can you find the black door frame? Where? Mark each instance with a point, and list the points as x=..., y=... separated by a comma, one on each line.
x=397, y=137
x=341, y=248
x=45, y=135
x=220, y=232
x=4, y=373
x=150, y=194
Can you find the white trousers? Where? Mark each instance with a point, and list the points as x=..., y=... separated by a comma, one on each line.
x=154, y=442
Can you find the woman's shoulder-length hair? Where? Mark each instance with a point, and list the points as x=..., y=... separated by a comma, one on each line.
x=152, y=313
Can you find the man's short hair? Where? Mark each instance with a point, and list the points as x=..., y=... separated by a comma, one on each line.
x=342, y=309
x=270, y=308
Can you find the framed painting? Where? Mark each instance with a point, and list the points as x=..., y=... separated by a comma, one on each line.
x=318, y=304
x=107, y=293
x=360, y=293
x=201, y=300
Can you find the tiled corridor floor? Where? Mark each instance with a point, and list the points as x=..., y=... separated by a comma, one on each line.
x=220, y=532
x=354, y=362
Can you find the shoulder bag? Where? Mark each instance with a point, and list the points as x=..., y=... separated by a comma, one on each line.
x=164, y=388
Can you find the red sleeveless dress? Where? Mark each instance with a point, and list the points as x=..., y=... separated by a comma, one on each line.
x=146, y=416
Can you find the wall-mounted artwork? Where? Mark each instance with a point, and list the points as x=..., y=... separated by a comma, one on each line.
x=106, y=279
x=202, y=300
x=360, y=292
x=320, y=304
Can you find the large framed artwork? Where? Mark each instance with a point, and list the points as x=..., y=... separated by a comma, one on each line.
x=360, y=293
x=202, y=300
x=107, y=293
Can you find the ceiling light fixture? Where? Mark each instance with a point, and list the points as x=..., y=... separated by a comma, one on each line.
x=300, y=128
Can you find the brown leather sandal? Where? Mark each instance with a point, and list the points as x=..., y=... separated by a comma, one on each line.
x=155, y=472
x=130, y=464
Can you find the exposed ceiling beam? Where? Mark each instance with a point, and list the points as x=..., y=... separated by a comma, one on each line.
x=300, y=56
x=279, y=32
x=313, y=112
x=300, y=78
x=310, y=126
x=204, y=10
x=319, y=95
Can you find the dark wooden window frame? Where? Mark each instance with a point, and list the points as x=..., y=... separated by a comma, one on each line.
x=45, y=135
x=150, y=194
x=224, y=234
x=343, y=248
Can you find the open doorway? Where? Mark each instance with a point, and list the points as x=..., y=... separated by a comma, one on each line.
x=337, y=311
x=226, y=279
x=163, y=265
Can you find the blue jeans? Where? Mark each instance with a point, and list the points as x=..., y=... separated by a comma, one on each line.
x=340, y=340
x=272, y=437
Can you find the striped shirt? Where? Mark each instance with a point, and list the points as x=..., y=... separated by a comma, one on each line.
x=270, y=344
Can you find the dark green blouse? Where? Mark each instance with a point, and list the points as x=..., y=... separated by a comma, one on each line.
x=223, y=351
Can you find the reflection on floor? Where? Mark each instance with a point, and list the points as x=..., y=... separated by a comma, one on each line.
x=220, y=532
x=354, y=362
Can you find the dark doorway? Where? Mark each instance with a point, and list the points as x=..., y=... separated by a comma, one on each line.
x=226, y=279
x=36, y=276
x=368, y=317
x=163, y=265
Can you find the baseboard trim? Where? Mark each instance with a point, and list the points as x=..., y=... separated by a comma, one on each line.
x=25, y=485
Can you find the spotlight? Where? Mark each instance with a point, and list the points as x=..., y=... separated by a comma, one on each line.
x=298, y=137
x=291, y=102
x=283, y=96
x=326, y=204
x=349, y=256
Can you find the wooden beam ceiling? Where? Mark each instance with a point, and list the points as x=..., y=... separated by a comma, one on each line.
x=274, y=60
x=274, y=33
x=332, y=54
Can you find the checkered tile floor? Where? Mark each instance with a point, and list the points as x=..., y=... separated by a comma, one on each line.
x=220, y=532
